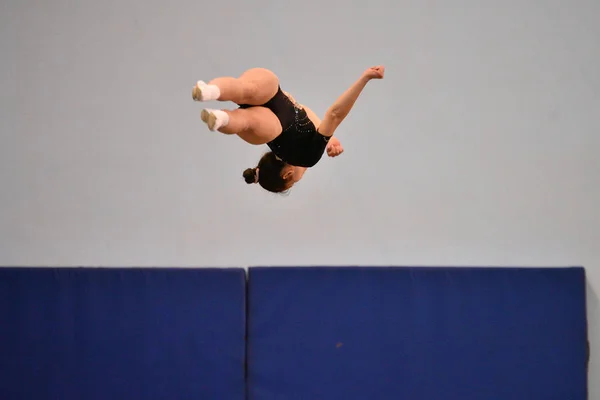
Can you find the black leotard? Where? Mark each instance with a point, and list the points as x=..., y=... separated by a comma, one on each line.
x=299, y=144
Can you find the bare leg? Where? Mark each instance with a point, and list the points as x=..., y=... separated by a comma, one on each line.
x=255, y=125
x=254, y=87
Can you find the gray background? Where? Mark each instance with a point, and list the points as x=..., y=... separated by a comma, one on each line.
x=480, y=147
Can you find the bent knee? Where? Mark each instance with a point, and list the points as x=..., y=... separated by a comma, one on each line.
x=262, y=74
x=259, y=85
x=249, y=91
x=260, y=125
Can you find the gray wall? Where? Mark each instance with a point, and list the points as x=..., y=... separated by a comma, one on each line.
x=479, y=148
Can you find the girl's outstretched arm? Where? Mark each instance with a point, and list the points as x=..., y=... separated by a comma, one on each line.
x=342, y=106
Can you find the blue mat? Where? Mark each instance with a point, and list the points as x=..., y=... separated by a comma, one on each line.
x=417, y=333
x=75, y=334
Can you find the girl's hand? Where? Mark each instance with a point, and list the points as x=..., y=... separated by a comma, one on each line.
x=334, y=147
x=375, y=72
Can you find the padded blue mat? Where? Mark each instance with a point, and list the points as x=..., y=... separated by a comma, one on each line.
x=83, y=333
x=417, y=333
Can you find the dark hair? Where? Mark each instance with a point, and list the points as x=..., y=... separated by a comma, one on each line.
x=270, y=169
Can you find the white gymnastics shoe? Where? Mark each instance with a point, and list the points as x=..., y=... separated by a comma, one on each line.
x=215, y=119
x=204, y=92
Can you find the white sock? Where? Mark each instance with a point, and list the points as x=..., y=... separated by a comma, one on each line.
x=222, y=118
x=204, y=92
x=215, y=119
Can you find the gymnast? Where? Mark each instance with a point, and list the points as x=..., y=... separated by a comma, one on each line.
x=266, y=114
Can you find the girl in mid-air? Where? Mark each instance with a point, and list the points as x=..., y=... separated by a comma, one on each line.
x=267, y=115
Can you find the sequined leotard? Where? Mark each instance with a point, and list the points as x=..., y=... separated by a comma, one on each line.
x=299, y=144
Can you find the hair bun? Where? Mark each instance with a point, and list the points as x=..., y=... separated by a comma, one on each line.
x=250, y=175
